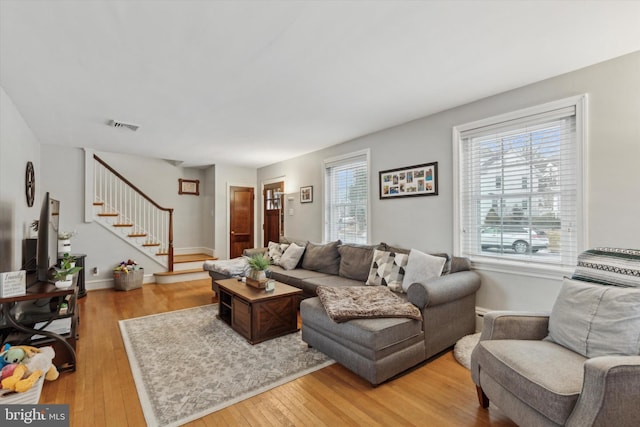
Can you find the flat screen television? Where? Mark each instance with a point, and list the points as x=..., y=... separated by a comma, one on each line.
x=47, y=247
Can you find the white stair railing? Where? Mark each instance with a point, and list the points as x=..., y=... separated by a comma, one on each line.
x=129, y=209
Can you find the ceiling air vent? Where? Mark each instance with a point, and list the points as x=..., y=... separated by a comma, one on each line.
x=129, y=126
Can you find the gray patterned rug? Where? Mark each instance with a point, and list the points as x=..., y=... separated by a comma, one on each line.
x=188, y=363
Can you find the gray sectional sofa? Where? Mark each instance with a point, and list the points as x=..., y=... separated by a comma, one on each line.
x=378, y=349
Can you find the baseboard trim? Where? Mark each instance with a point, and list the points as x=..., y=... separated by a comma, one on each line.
x=95, y=285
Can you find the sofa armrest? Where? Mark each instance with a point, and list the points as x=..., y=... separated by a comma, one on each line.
x=443, y=289
x=254, y=251
x=610, y=393
x=515, y=325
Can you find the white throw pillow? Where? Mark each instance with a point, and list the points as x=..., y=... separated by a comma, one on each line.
x=421, y=267
x=387, y=269
x=291, y=256
x=596, y=320
x=275, y=251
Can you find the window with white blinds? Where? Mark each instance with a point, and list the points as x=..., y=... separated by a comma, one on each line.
x=347, y=198
x=520, y=185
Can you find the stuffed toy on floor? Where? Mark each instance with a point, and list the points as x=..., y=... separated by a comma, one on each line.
x=38, y=362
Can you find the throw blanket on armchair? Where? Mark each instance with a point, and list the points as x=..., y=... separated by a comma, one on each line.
x=357, y=302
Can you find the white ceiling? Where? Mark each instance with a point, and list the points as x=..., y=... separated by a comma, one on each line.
x=256, y=82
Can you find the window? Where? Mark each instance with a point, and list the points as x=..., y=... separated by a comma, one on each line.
x=347, y=198
x=520, y=184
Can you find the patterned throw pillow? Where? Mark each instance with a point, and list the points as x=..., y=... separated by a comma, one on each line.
x=387, y=269
x=275, y=251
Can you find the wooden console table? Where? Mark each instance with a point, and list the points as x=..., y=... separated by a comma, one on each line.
x=64, y=345
x=256, y=314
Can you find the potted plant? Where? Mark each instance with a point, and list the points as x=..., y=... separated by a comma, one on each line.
x=63, y=275
x=258, y=264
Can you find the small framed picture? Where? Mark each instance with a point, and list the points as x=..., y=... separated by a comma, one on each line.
x=306, y=194
x=189, y=186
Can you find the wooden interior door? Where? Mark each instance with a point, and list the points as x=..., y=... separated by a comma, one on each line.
x=273, y=215
x=241, y=205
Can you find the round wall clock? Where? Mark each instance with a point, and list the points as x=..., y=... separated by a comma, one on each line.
x=30, y=184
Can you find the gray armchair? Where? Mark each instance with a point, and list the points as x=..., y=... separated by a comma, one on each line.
x=576, y=366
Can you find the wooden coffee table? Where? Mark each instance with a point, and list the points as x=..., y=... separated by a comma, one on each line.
x=256, y=314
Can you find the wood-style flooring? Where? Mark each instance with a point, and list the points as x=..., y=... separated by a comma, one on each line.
x=102, y=392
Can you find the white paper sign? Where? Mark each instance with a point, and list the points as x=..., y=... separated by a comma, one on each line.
x=13, y=284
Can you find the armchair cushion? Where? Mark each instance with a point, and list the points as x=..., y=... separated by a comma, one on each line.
x=595, y=320
x=545, y=375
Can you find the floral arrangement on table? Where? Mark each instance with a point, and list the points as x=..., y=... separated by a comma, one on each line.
x=127, y=266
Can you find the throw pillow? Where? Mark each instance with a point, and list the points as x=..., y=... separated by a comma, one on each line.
x=291, y=256
x=421, y=267
x=275, y=251
x=323, y=258
x=596, y=320
x=387, y=269
x=609, y=266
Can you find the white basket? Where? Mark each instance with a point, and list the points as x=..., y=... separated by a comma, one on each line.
x=29, y=397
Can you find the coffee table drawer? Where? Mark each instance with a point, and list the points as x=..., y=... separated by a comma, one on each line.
x=241, y=317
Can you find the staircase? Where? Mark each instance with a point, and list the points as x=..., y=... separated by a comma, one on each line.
x=185, y=268
x=131, y=215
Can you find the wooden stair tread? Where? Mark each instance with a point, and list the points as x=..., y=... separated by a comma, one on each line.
x=108, y=214
x=123, y=225
x=98, y=203
x=175, y=273
x=150, y=244
x=192, y=258
x=137, y=235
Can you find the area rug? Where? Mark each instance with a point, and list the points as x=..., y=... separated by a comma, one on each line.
x=463, y=348
x=188, y=363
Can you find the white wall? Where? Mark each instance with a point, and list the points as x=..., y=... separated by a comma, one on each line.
x=426, y=222
x=18, y=145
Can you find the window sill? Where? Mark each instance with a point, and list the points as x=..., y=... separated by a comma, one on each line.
x=521, y=268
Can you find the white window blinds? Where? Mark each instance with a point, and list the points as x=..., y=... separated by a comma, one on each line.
x=519, y=186
x=346, y=198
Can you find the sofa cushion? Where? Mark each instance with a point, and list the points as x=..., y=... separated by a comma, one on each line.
x=387, y=269
x=372, y=338
x=331, y=280
x=291, y=256
x=324, y=258
x=545, y=375
x=596, y=320
x=275, y=251
x=298, y=278
x=355, y=261
x=421, y=267
x=609, y=266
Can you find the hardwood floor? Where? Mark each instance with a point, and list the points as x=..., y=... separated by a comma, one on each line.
x=102, y=392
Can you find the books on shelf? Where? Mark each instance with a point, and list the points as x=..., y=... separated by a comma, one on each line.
x=58, y=326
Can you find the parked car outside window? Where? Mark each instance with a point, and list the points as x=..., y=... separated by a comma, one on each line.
x=519, y=239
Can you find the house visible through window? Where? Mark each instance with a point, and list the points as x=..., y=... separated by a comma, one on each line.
x=519, y=189
x=347, y=198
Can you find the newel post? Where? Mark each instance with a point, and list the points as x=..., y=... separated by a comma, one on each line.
x=170, y=260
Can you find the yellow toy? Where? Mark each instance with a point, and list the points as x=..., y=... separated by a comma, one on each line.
x=38, y=362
